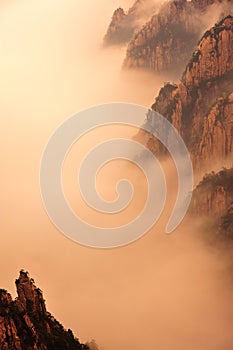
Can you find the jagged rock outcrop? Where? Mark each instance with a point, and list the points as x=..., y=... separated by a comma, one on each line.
x=117, y=31
x=26, y=325
x=166, y=42
x=29, y=294
x=213, y=199
x=214, y=194
x=201, y=105
x=9, y=338
x=124, y=25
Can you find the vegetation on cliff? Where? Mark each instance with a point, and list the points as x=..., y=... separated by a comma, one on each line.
x=213, y=200
x=166, y=42
x=200, y=107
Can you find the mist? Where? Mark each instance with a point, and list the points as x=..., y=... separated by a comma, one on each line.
x=134, y=18
x=160, y=292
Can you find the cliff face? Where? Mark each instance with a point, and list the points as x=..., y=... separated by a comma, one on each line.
x=226, y=224
x=213, y=198
x=9, y=338
x=214, y=194
x=26, y=325
x=167, y=41
x=213, y=56
x=216, y=141
x=124, y=25
x=201, y=105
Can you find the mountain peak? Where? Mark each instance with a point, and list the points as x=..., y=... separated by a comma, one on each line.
x=214, y=55
x=124, y=25
x=26, y=324
x=29, y=296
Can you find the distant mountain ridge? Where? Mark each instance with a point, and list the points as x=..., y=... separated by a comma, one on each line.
x=25, y=323
x=166, y=42
x=125, y=24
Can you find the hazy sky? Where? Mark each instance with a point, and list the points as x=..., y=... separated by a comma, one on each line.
x=160, y=292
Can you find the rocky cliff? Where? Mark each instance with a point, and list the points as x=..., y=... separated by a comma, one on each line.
x=201, y=105
x=124, y=24
x=214, y=194
x=213, y=199
x=26, y=325
x=166, y=42
x=226, y=224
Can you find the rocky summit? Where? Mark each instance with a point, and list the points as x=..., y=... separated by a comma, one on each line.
x=125, y=24
x=25, y=323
